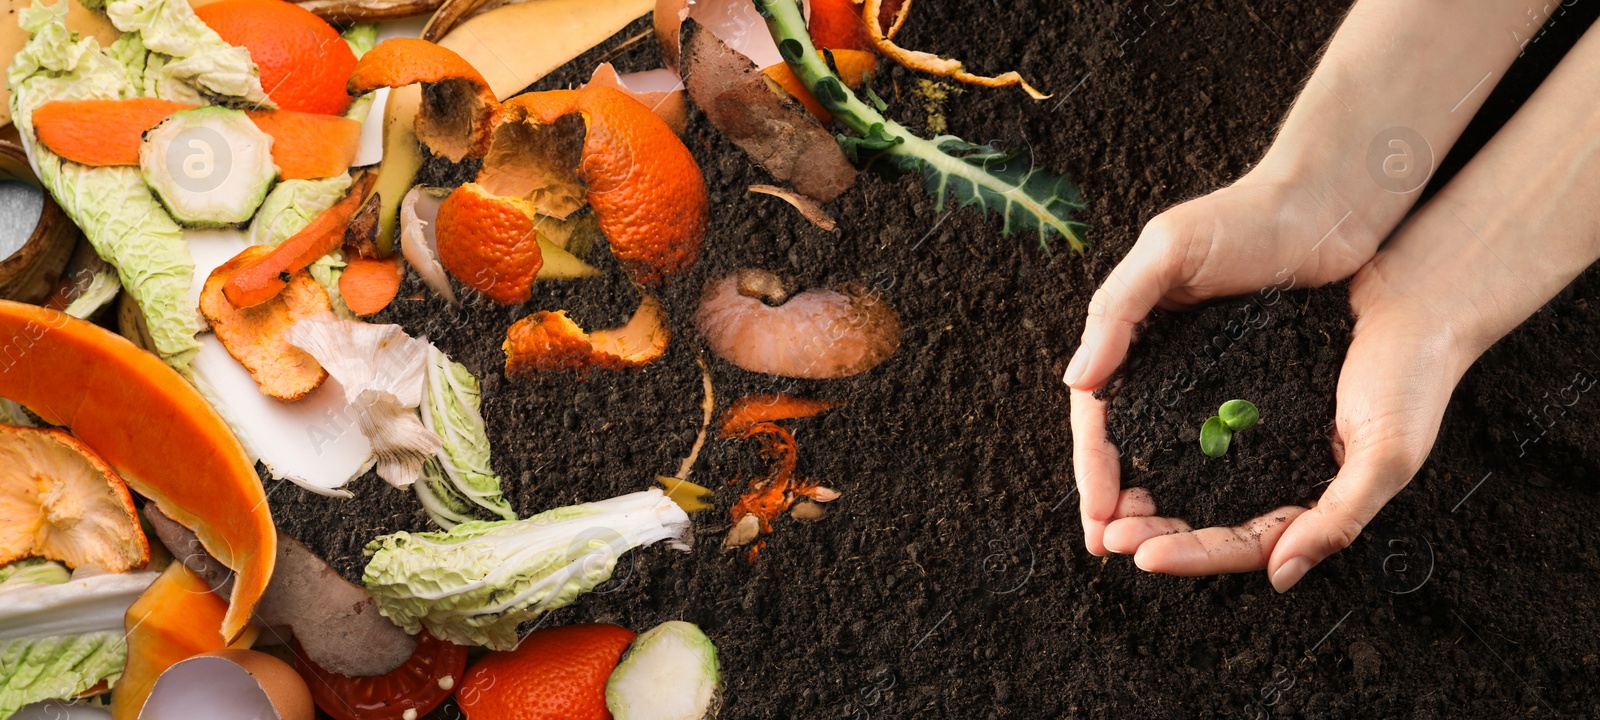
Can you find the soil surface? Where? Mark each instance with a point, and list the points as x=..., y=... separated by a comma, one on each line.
x=950, y=579
x=1279, y=350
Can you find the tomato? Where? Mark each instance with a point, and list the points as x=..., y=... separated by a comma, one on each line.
x=419, y=685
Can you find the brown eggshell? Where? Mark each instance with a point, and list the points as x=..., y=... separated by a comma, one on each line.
x=210, y=685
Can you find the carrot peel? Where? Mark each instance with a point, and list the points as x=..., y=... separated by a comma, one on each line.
x=368, y=285
x=267, y=276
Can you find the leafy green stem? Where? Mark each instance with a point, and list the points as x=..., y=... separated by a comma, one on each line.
x=1026, y=199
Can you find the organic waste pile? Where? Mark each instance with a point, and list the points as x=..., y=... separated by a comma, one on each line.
x=513, y=329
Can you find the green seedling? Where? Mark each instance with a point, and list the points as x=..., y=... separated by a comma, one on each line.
x=1217, y=433
x=1215, y=437
x=1239, y=414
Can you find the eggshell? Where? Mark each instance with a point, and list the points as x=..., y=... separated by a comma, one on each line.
x=229, y=685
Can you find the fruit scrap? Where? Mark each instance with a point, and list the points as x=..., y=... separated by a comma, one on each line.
x=645, y=188
x=757, y=416
x=412, y=690
x=269, y=274
x=457, y=104
x=59, y=500
x=258, y=336
x=872, y=14
x=368, y=285
x=303, y=60
x=134, y=410
x=550, y=341
x=748, y=319
x=108, y=132
x=556, y=673
x=175, y=619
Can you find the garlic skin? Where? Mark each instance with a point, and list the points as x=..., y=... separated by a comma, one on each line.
x=381, y=369
x=749, y=320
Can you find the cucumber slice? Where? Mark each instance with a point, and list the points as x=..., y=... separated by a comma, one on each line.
x=670, y=672
x=210, y=166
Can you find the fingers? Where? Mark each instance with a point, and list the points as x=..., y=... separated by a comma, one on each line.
x=1095, y=467
x=1364, y=485
x=1124, y=299
x=1207, y=551
x=1124, y=536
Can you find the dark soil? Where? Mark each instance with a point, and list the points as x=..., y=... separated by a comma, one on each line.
x=1278, y=350
x=950, y=580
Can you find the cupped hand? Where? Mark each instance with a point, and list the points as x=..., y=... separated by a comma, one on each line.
x=1402, y=365
x=1253, y=234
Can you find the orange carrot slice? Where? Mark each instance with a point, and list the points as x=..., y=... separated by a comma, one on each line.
x=267, y=276
x=751, y=410
x=368, y=286
x=100, y=132
x=108, y=132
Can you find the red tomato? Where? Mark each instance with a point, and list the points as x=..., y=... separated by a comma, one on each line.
x=421, y=684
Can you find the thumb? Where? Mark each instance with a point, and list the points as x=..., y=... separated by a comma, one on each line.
x=1364, y=485
x=1123, y=299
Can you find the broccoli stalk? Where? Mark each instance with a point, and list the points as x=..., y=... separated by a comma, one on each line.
x=1027, y=200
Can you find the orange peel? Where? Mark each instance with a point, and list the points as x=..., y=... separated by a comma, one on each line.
x=550, y=341
x=159, y=433
x=59, y=500
x=457, y=103
x=488, y=242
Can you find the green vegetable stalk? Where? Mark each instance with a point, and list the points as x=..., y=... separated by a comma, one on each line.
x=60, y=636
x=475, y=583
x=459, y=481
x=1026, y=199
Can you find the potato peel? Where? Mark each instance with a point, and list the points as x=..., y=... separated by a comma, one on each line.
x=928, y=62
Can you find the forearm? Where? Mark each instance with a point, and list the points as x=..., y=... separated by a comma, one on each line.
x=1520, y=222
x=1396, y=71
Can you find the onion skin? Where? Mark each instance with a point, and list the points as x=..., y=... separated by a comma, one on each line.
x=818, y=334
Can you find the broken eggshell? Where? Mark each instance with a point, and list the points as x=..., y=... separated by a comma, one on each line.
x=659, y=89
x=229, y=685
x=749, y=320
x=719, y=48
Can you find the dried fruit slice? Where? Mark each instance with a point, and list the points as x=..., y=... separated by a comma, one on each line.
x=551, y=341
x=257, y=336
x=645, y=187
x=457, y=104
x=59, y=500
x=488, y=242
x=160, y=434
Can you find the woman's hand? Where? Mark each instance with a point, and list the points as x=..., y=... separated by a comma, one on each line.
x=1518, y=224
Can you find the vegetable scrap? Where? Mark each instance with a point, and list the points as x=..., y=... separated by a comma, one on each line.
x=267, y=275
x=420, y=684
x=669, y=672
x=258, y=336
x=459, y=482
x=750, y=320
x=507, y=572
x=767, y=497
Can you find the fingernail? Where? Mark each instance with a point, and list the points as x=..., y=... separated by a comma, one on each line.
x=1075, y=368
x=1290, y=573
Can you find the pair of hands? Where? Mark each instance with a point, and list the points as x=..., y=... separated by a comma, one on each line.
x=1403, y=362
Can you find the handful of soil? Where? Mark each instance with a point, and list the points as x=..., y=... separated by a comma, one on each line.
x=1279, y=350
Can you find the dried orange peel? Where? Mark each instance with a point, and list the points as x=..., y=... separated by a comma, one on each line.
x=59, y=500
x=162, y=437
x=551, y=341
x=457, y=104
x=257, y=336
x=643, y=185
